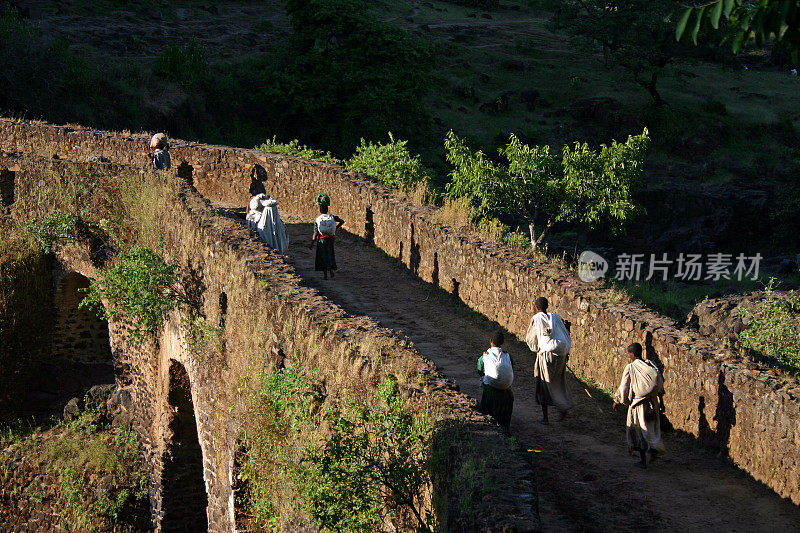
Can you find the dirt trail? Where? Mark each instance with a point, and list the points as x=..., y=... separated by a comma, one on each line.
x=586, y=480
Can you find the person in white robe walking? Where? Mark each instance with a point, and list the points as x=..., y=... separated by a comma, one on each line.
x=547, y=336
x=640, y=388
x=264, y=219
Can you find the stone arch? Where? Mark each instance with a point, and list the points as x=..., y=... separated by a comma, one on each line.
x=7, y=186
x=184, y=500
x=79, y=335
x=80, y=355
x=223, y=308
x=186, y=172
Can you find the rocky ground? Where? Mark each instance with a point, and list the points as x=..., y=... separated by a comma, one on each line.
x=80, y=473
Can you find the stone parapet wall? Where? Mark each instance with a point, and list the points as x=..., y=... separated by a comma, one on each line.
x=751, y=412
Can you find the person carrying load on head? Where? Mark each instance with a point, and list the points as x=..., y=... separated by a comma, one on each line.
x=548, y=337
x=263, y=218
x=160, y=157
x=325, y=227
x=497, y=369
x=641, y=387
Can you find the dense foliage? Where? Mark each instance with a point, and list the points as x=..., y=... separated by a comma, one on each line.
x=587, y=186
x=774, y=328
x=369, y=468
x=57, y=227
x=391, y=163
x=757, y=21
x=140, y=287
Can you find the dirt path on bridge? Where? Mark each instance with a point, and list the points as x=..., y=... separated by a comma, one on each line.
x=586, y=479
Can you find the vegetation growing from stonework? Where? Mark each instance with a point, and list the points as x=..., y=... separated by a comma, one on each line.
x=296, y=149
x=58, y=226
x=390, y=163
x=139, y=287
x=774, y=328
x=367, y=469
x=89, y=474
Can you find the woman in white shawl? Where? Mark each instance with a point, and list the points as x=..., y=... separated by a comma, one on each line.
x=640, y=388
x=548, y=338
x=263, y=218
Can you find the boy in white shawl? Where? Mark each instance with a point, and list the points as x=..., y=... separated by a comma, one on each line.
x=497, y=369
x=548, y=337
x=640, y=388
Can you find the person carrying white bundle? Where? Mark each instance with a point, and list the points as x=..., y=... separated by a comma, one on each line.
x=263, y=218
x=497, y=369
x=547, y=336
x=160, y=146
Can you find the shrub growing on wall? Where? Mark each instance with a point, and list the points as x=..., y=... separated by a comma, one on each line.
x=391, y=163
x=58, y=226
x=369, y=468
x=296, y=149
x=774, y=329
x=141, y=288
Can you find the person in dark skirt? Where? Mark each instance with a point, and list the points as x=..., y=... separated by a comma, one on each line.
x=325, y=227
x=497, y=369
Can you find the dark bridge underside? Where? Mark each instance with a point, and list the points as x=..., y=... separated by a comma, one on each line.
x=184, y=493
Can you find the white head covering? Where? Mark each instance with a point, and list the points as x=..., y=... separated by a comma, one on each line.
x=159, y=141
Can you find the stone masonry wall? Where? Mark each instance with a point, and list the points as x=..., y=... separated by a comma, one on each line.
x=78, y=334
x=750, y=412
x=270, y=318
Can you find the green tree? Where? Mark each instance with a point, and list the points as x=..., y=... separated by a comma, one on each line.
x=633, y=34
x=586, y=186
x=746, y=20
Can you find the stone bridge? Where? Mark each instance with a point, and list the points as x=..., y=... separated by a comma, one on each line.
x=172, y=392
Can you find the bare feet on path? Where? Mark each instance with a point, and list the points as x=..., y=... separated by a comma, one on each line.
x=586, y=479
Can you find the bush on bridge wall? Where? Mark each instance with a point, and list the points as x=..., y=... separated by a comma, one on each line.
x=389, y=163
x=774, y=329
x=367, y=469
x=141, y=288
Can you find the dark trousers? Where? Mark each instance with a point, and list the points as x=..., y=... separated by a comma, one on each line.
x=498, y=403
